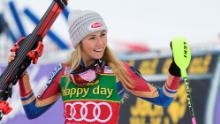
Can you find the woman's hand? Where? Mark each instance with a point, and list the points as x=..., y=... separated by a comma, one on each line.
x=174, y=69
x=11, y=57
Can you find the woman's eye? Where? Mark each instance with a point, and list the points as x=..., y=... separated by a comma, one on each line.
x=91, y=38
x=103, y=34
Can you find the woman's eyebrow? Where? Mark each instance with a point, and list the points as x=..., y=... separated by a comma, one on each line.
x=93, y=35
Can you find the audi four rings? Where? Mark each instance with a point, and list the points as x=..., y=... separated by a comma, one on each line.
x=84, y=111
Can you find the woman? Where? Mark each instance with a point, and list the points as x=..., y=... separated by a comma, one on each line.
x=93, y=82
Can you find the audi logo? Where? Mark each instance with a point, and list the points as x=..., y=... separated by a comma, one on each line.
x=83, y=111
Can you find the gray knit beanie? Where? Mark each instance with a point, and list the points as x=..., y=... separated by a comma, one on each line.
x=81, y=23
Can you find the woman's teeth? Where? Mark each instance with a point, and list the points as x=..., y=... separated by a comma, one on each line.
x=98, y=50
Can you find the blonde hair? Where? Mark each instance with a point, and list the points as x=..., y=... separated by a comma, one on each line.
x=110, y=59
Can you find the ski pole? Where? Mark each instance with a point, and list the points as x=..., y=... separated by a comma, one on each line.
x=182, y=57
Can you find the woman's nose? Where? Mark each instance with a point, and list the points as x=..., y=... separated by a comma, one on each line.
x=100, y=41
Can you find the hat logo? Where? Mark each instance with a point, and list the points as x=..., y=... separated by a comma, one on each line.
x=96, y=25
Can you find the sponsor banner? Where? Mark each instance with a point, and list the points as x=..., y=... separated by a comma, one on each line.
x=201, y=72
x=139, y=111
x=39, y=75
x=200, y=64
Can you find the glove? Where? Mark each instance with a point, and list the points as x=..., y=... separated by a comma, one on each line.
x=174, y=69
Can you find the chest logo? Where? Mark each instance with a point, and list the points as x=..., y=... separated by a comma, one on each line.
x=88, y=111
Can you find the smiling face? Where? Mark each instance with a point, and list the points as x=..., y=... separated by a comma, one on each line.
x=93, y=46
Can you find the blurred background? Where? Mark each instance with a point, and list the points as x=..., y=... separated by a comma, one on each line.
x=139, y=32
